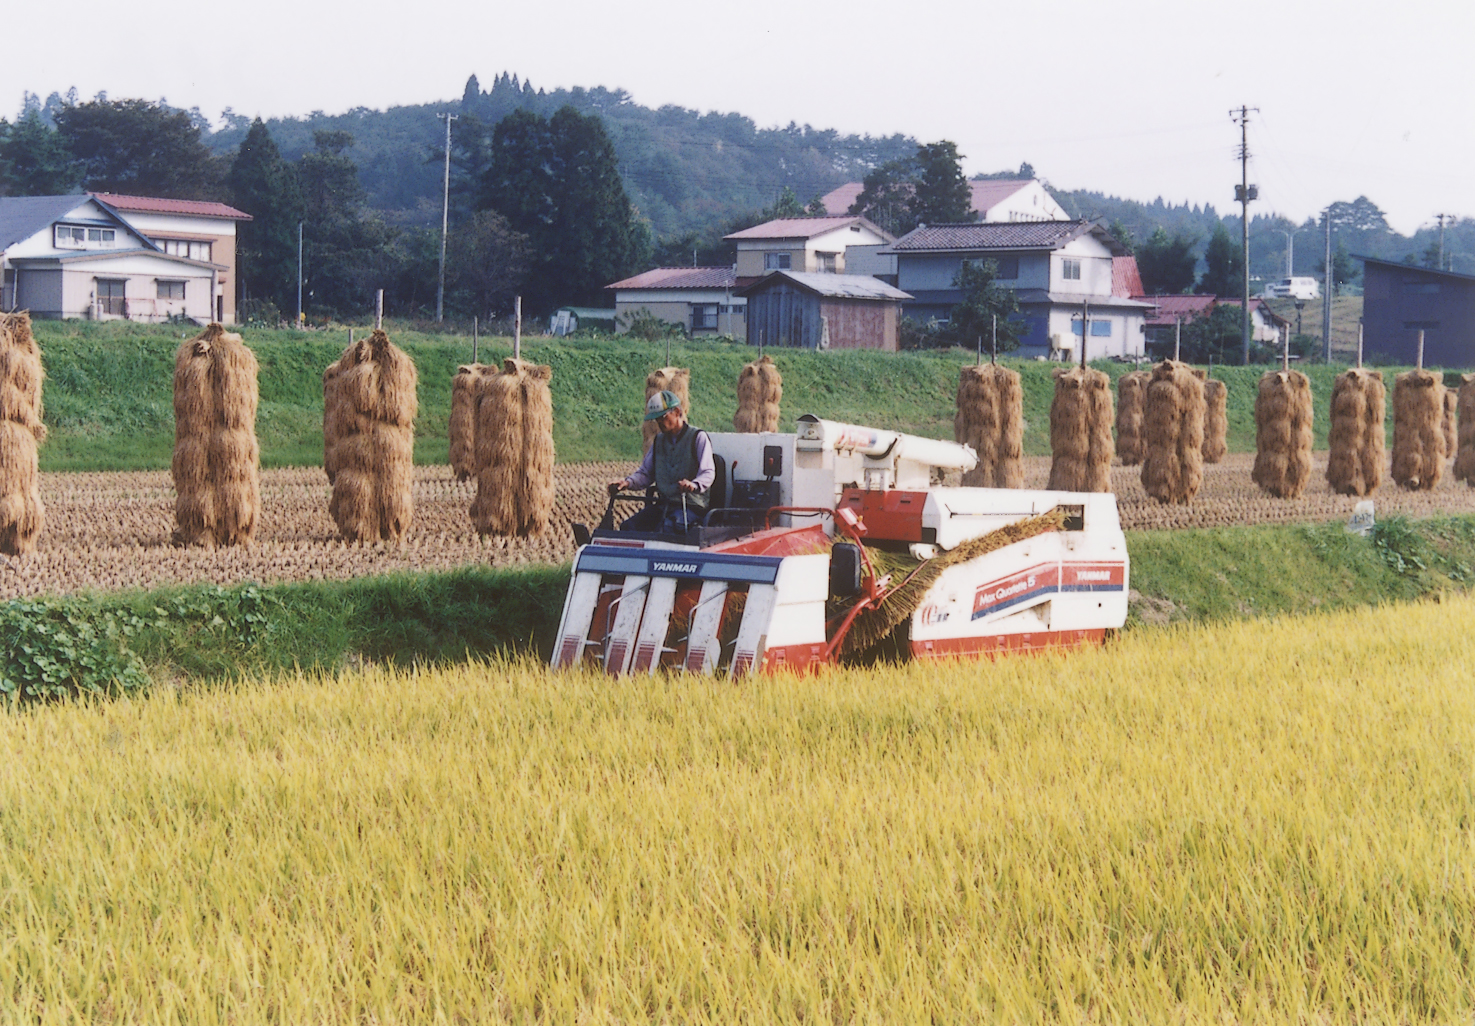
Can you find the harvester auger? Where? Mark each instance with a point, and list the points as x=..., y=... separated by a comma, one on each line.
x=823, y=544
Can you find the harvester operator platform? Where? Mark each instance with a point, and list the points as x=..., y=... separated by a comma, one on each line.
x=680, y=466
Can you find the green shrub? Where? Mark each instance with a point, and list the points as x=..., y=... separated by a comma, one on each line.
x=63, y=649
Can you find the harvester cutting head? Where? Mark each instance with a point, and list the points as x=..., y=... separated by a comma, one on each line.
x=836, y=542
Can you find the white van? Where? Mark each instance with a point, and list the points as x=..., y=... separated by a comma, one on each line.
x=1293, y=288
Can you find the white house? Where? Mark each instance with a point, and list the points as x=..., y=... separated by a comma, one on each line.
x=994, y=199
x=699, y=299
x=803, y=244
x=1061, y=272
x=79, y=256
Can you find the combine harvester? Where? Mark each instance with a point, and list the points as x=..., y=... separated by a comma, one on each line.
x=844, y=542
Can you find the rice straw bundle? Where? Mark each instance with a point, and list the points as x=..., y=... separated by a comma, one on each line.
x=1130, y=392
x=464, y=393
x=1418, y=430
x=374, y=449
x=1080, y=431
x=514, y=451
x=1283, y=417
x=332, y=411
x=1355, y=464
x=674, y=379
x=1465, y=455
x=1173, y=417
x=989, y=419
x=1451, y=421
x=217, y=462
x=1216, y=420
x=760, y=389
x=21, y=513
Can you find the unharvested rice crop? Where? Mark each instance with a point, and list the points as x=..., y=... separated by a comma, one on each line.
x=514, y=454
x=1216, y=420
x=1175, y=829
x=760, y=389
x=1465, y=454
x=1080, y=431
x=1355, y=462
x=465, y=392
x=1418, y=429
x=675, y=379
x=22, y=514
x=375, y=448
x=1283, y=435
x=989, y=417
x=1173, y=433
x=217, y=462
x=1131, y=391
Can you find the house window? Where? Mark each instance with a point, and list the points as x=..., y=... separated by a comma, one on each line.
x=171, y=289
x=704, y=317
x=777, y=261
x=72, y=237
x=187, y=248
x=1421, y=288
x=1101, y=329
x=1070, y=269
x=825, y=262
x=110, y=299
x=1008, y=267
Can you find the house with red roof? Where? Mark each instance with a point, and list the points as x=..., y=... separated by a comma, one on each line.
x=1165, y=313
x=699, y=299
x=81, y=256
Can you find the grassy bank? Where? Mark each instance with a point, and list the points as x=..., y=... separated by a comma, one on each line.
x=205, y=633
x=109, y=404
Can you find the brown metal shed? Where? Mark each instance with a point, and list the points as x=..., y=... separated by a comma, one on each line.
x=817, y=311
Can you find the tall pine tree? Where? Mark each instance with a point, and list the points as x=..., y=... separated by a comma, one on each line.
x=34, y=159
x=265, y=186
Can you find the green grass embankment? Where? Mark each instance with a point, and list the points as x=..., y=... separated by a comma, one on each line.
x=203, y=633
x=109, y=394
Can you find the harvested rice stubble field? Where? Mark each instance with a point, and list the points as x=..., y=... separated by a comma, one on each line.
x=106, y=531
x=1243, y=823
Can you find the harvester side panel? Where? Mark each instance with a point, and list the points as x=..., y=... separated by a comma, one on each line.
x=578, y=613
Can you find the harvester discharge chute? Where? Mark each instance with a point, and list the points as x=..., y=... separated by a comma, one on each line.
x=838, y=542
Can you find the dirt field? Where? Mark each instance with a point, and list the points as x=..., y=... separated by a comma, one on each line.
x=110, y=531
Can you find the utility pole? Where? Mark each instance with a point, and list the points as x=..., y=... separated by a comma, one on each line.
x=299, y=274
x=1326, y=295
x=445, y=211
x=1290, y=250
x=1441, y=238
x=1245, y=192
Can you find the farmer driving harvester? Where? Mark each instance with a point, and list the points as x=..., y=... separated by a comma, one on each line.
x=680, y=466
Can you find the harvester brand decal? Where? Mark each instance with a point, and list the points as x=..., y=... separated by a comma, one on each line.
x=714, y=566
x=932, y=615
x=1028, y=585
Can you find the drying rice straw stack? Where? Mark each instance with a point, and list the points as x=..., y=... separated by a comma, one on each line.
x=1418, y=430
x=21, y=513
x=373, y=488
x=1465, y=455
x=1354, y=465
x=1451, y=421
x=760, y=389
x=675, y=379
x=332, y=413
x=1080, y=431
x=1283, y=418
x=1130, y=391
x=1173, y=433
x=217, y=462
x=462, y=429
x=1216, y=420
x=514, y=451
x=990, y=419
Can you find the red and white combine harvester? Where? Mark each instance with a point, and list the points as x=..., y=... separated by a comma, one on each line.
x=844, y=541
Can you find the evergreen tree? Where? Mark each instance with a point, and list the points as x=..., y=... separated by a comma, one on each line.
x=139, y=147
x=1224, y=275
x=941, y=193
x=1167, y=265
x=265, y=186
x=34, y=159
x=983, y=301
x=486, y=262
x=557, y=181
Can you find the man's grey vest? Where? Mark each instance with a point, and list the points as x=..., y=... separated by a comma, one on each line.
x=675, y=460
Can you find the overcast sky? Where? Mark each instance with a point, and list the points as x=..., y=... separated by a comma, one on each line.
x=1128, y=97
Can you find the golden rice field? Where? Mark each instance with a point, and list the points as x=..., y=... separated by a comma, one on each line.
x=106, y=531
x=1245, y=823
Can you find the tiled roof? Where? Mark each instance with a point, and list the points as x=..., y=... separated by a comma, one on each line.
x=154, y=205
x=1126, y=280
x=837, y=201
x=24, y=216
x=842, y=286
x=989, y=235
x=802, y=228
x=1171, y=308
x=680, y=278
x=986, y=194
